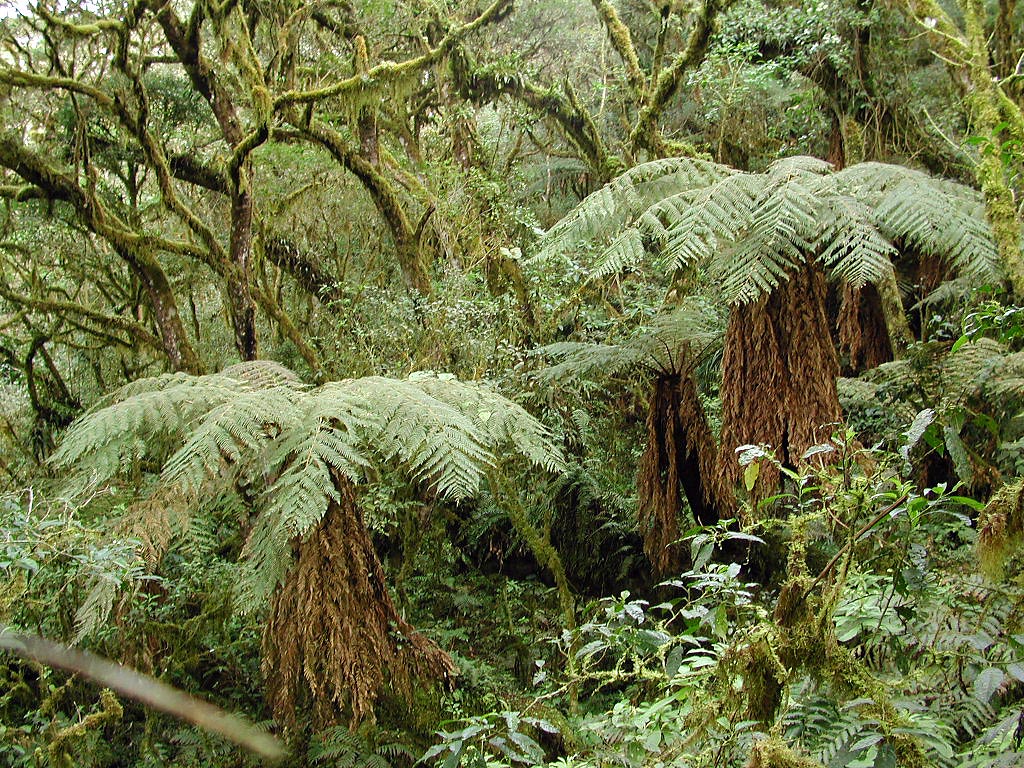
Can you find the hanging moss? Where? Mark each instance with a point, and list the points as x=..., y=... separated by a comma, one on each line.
x=110, y=712
x=984, y=102
x=764, y=678
x=806, y=643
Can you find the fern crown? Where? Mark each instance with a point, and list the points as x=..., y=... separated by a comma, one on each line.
x=256, y=426
x=751, y=229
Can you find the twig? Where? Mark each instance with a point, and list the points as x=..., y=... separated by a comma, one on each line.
x=143, y=688
x=849, y=545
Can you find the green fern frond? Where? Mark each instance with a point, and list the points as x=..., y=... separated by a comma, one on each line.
x=242, y=425
x=144, y=419
x=617, y=205
x=786, y=223
x=716, y=215
x=851, y=246
x=263, y=374
x=1007, y=381
x=695, y=324
x=940, y=225
x=787, y=168
x=958, y=289
x=625, y=253
x=935, y=216
x=582, y=360
x=429, y=437
x=754, y=229
x=502, y=421
x=261, y=429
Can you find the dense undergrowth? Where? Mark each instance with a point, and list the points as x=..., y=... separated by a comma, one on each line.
x=844, y=622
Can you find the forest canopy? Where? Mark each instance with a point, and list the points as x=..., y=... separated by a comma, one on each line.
x=512, y=383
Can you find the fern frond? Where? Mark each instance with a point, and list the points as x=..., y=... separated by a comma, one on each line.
x=582, y=360
x=616, y=206
x=957, y=289
x=756, y=228
x=786, y=224
x=263, y=374
x=428, y=437
x=145, y=419
x=964, y=372
x=787, y=168
x=503, y=422
x=1007, y=381
x=260, y=428
x=695, y=324
x=934, y=216
x=625, y=253
x=851, y=246
x=716, y=215
x=242, y=425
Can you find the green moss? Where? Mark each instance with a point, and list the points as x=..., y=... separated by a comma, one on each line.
x=1000, y=526
x=764, y=677
x=773, y=752
x=60, y=746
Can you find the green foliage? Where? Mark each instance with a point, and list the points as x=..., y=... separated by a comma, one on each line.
x=255, y=431
x=750, y=230
x=656, y=347
x=338, y=747
x=189, y=492
x=967, y=399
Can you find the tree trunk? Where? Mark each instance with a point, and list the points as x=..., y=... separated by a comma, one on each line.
x=983, y=101
x=779, y=377
x=334, y=639
x=238, y=274
x=382, y=191
x=170, y=328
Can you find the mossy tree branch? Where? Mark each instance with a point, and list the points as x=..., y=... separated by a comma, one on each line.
x=134, y=248
x=967, y=55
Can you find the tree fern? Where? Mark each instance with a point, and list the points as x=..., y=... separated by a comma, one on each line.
x=255, y=423
x=616, y=206
x=753, y=229
x=694, y=323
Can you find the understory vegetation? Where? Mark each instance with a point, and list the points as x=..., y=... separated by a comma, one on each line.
x=509, y=384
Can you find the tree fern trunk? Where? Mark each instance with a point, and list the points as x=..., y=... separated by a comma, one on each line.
x=779, y=376
x=334, y=638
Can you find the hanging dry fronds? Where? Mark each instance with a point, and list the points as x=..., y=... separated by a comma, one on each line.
x=779, y=376
x=658, y=479
x=932, y=271
x=679, y=458
x=334, y=637
x=863, y=333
